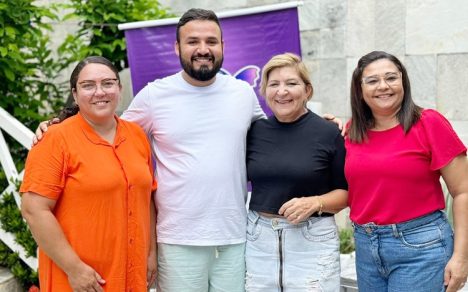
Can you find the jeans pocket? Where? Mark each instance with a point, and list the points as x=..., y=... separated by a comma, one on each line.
x=253, y=230
x=319, y=232
x=422, y=236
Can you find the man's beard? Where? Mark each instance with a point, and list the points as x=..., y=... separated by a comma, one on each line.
x=204, y=73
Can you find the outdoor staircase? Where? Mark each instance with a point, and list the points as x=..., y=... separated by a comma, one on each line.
x=11, y=126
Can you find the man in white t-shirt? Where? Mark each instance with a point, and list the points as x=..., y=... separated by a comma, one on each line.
x=198, y=121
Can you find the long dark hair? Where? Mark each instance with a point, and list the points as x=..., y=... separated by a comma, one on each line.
x=71, y=108
x=362, y=118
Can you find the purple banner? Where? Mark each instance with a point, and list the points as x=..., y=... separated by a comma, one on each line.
x=249, y=42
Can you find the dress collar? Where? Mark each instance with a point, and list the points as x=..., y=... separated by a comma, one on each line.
x=94, y=138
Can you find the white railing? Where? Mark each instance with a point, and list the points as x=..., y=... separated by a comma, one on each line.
x=23, y=135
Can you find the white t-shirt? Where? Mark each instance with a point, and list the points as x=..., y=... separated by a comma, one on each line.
x=199, y=138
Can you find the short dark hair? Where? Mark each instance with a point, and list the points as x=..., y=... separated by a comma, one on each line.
x=196, y=14
x=71, y=108
x=362, y=118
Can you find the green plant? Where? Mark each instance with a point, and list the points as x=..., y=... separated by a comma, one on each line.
x=346, y=241
x=28, y=91
x=20, y=270
x=12, y=222
x=27, y=68
x=98, y=33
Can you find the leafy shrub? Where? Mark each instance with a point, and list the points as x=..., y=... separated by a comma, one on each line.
x=98, y=33
x=11, y=221
x=27, y=69
x=346, y=241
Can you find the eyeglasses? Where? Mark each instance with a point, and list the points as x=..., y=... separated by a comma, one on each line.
x=391, y=79
x=107, y=85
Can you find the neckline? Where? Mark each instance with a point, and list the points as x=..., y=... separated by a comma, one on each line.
x=209, y=87
x=94, y=137
x=300, y=119
x=386, y=130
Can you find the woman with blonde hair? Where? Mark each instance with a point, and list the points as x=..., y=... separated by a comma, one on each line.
x=295, y=163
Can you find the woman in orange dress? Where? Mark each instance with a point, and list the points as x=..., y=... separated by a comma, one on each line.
x=87, y=193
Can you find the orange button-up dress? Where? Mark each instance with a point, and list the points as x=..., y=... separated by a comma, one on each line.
x=103, y=194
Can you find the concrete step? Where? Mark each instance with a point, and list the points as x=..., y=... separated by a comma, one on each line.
x=8, y=283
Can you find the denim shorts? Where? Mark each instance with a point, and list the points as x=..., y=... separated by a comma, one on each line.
x=409, y=256
x=282, y=257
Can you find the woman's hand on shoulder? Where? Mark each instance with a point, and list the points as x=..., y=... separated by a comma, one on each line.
x=337, y=121
x=42, y=128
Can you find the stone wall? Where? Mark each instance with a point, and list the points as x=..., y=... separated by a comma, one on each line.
x=429, y=36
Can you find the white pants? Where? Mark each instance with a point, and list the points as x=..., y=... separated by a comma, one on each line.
x=185, y=268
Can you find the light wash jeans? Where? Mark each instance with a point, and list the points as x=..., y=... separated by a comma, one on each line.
x=409, y=256
x=185, y=268
x=292, y=258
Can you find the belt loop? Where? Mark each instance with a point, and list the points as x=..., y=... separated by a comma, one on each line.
x=256, y=216
x=395, y=231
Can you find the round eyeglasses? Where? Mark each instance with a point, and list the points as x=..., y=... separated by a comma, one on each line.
x=391, y=79
x=106, y=85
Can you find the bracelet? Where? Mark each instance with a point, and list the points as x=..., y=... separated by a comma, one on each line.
x=320, y=210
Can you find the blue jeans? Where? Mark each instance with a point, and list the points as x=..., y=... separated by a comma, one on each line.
x=185, y=268
x=409, y=256
x=281, y=257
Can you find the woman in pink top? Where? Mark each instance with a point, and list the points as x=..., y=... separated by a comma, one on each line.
x=396, y=153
